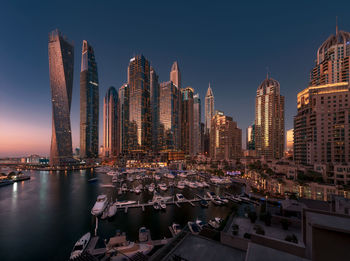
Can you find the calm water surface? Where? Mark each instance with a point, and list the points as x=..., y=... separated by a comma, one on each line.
x=42, y=218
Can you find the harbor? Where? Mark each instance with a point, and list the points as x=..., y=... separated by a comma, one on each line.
x=60, y=207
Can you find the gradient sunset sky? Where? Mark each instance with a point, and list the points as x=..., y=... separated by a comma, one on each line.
x=225, y=43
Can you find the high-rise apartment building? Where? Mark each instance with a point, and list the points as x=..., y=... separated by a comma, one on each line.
x=289, y=143
x=110, y=124
x=175, y=75
x=89, y=103
x=123, y=117
x=187, y=121
x=209, y=108
x=154, y=101
x=250, y=137
x=321, y=126
x=61, y=65
x=139, y=128
x=197, y=146
x=225, y=138
x=269, y=120
x=169, y=117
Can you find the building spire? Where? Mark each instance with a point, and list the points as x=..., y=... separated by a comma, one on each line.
x=336, y=26
x=267, y=72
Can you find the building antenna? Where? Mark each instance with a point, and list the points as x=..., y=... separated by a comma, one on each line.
x=336, y=25
x=267, y=72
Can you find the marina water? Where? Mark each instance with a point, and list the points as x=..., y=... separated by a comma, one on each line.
x=42, y=218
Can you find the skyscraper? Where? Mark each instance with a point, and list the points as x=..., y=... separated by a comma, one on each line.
x=197, y=147
x=123, y=117
x=175, y=75
x=110, y=124
x=139, y=129
x=289, y=142
x=225, y=138
x=321, y=126
x=61, y=65
x=250, y=143
x=269, y=120
x=89, y=103
x=187, y=121
x=169, y=117
x=209, y=108
x=154, y=101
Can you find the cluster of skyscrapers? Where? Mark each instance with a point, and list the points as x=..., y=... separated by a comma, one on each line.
x=143, y=117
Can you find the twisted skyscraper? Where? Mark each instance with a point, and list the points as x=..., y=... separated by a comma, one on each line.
x=61, y=64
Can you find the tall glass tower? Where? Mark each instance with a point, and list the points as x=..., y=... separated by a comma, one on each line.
x=89, y=103
x=209, y=108
x=154, y=100
x=123, y=117
x=61, y=64
x=139, y=128
x=197, y=146
x=110, y=123
x=187, y=121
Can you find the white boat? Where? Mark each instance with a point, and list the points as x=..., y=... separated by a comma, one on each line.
x=124, y=202
x=237, y=199
x=218, y=220
x=151, y=187
x=211, y=194
x=112, y=210
x=180, y=197
x=217, y=201
x=115, y=179
x=180, y=185
x=119, y=248
x=100, y=205
x=157, y=177
x=213, y=224
x=169, y=176
x=162, y=204
x=200, y=223
x=163, y=187
x=143, y=234
x=124, y=188
x=80, y=246
x=158, y=197
x=105, y=213
x=176, y=228
x=111, y=173
x=194, y=228
x=137, y=190
x=183, y=175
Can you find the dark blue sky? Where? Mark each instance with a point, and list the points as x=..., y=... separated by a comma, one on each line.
x=229, y=44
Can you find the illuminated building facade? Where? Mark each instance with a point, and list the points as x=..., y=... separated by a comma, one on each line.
x=250, y=137
x=154, y=101
x=225, y=138
x=139, y=127
x=89, y=103
x=110, y=124
x=289, y=142
x=197, y=146
x=321, y=126
x=61, y=65
x=269, y=120
x=209, y=108
x=175, y=75
x=123, y=117
x=187, y=121
x=169, y=133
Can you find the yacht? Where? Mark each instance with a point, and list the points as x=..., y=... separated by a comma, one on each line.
x=200, y=223
x=100, y=205
x=163, y=187
x=80, y=246
x=169, y=176
x=205, y=184
x=151, y=187
x=183, y=175
x=124, y=188
x=158, y=197
x=180, y=197
x=115, y=179
x=121, y=248
x=143, y=234
x=176, y=228
x=157, y=177
x=112, y=210
x=162, y=204
x=217, y=201
x=111, y=173
x=124, y=202
x=214, y=224
x=211, y=195
x=180, y=185
x=137, y=190
x=194, y=228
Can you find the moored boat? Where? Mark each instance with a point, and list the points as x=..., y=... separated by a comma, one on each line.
x=80, y=246
x=100, y=205
x=194, y=228
x=176, y=228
